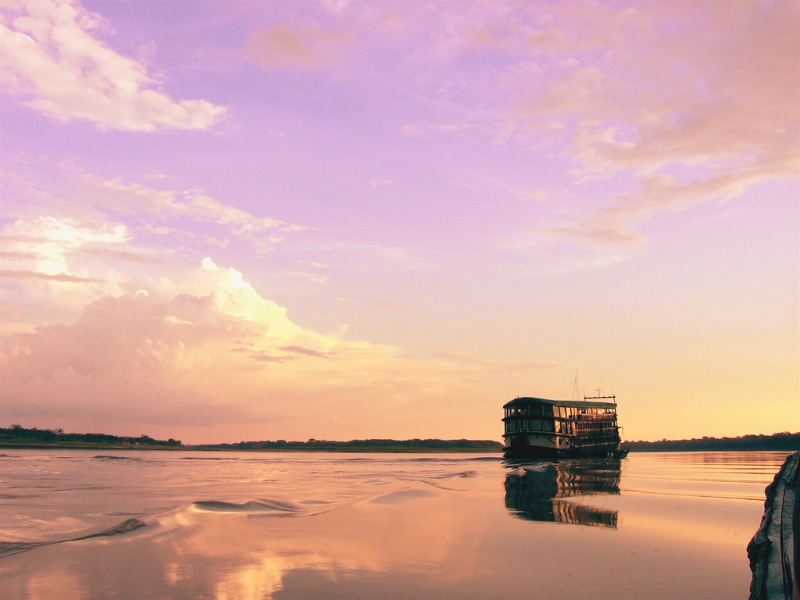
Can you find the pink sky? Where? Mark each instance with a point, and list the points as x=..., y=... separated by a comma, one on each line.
x=231, y=220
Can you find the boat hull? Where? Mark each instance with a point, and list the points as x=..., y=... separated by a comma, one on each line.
x=556, y=446
x=539, y=452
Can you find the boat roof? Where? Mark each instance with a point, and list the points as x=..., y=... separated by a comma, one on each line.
x=572, y=403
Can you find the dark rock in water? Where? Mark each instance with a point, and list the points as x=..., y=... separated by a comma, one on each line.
x=774, y=575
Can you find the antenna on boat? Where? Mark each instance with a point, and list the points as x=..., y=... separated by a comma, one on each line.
x=575, y=386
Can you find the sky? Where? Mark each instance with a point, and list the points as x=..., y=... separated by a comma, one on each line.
x=226, y=221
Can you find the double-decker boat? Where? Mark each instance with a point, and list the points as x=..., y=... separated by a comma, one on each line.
x=540, y=428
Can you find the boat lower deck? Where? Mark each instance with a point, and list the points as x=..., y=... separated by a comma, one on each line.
x=540, y=452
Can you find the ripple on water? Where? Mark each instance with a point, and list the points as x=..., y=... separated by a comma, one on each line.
x=402, y=496
x=248, y=507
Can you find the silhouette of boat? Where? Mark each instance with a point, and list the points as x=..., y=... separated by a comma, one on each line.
x=540, y=428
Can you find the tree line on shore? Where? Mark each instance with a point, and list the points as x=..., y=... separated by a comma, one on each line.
x=373, y=445
x=776, y=441
x=16, y=435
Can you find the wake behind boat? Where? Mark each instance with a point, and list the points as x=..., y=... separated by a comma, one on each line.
x=540, y=428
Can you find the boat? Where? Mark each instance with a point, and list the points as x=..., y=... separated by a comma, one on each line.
x=541, y=428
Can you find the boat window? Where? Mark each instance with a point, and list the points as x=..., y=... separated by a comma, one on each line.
x=548, y=425
x=536, y=424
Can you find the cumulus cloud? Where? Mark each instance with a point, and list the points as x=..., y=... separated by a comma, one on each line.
x=51, y=57
x=215, y=353
x=102, y=234
x=149, y=347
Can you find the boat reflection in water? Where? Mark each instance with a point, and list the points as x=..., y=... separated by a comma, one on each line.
x=537, y=491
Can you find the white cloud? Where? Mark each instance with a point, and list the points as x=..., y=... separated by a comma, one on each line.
x=223, y=344
x=46, y=240
x=50, y=56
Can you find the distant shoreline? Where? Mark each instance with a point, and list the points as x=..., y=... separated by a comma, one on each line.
x=785, y=441
x=364, y=450
x=345, y=450
x=20, y=437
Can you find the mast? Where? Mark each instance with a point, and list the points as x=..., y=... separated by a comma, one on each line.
x=575, y=387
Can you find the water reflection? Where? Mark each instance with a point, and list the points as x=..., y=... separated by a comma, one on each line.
x=535, y=492
x=400, y=527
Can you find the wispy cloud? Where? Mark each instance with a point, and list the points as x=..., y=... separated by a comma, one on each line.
x=46, y=240
x=196, y=205
x=51, y=57
x=688, y=104
x=699, y=116
x=305, y=351
x=63, y=277
x=283, y=47
x=107, y=253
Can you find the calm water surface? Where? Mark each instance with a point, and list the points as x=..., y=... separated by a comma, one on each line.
x=318, y=525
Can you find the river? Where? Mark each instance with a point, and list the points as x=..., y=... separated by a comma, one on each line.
x=239, y=525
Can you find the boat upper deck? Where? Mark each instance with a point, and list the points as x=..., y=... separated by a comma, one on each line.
x=524, y=401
